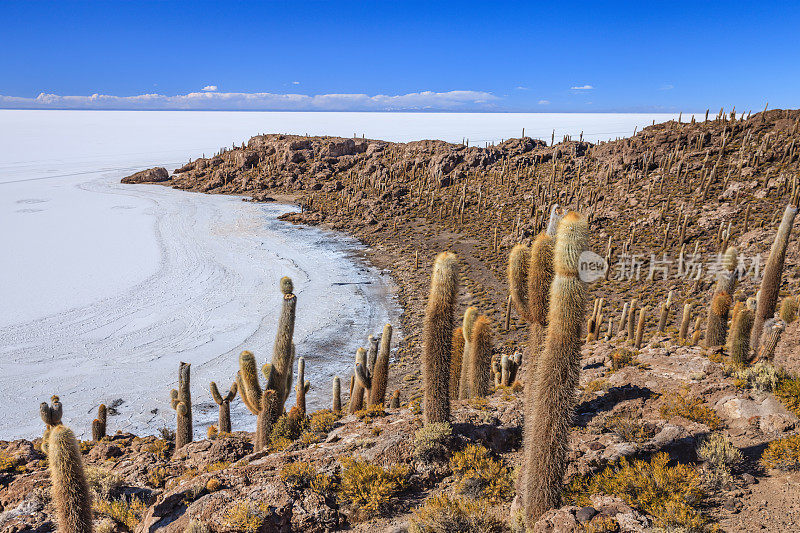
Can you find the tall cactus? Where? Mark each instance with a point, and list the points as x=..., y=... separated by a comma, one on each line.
x=480, y=358
x=69, y=489
x=361, y=382
x=380, y=372
x=717, y=321
x=769, y=339
x=302, y=386
x=467, y=326
x=685, y=321
x=771, y=280
x=436, y=338
x=51, y=416
x=456, y=361
x=741, y=327
x=283, y=351
x=337, y=394
x=556, y=378
x=182, y=404
x=264, y=403
x=224, y=402
x=664, y=315
x=99, y=423
x=640, y=328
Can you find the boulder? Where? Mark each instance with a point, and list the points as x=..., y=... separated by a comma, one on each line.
x=151, y=175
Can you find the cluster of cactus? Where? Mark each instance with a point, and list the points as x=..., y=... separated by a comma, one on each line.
x=181, y=401
x=471, y=358
x=505, y=371
x=595, y=321
x=224, y=402
x=371, y=372
x=51, y=416
x=717, y=318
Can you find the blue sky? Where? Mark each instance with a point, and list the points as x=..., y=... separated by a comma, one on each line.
x=394, y=55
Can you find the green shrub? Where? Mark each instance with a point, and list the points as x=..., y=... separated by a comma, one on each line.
x=431, y=441
x=720, y=456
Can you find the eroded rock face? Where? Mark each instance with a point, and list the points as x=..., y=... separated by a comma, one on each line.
x=151, y=175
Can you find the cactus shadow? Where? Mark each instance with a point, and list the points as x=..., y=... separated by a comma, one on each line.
x=585, y=412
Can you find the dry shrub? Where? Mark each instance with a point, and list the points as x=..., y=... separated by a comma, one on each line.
x=246, y=517
x=128, y=513
x=371, y=413
x=788, y=392
x=102, y=482
x=298, y=475
x=783, y=454
x=431, y=442
x=692, y=408
x=481, y=476
x=721, y=457
x=443, y=514
x=630, y=427
x=369, y=487
x=323, y=420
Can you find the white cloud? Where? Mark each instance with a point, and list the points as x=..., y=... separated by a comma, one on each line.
x=544, y=102
x=582, y=88
x=522, y=88
x=295, y=83
x=213, y=88
x=667, y=87
x=210, y=100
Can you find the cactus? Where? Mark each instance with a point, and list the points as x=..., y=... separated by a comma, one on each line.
x=640, y=328
x=51, y=416
x=372, y=352
x=361, y=382
x=623, y=319
x=556, y=378
x=99, y=423
x=632, y=320
x=224, y=420
x=182, y=404
x=395, y=403
x=769, y=339
x=470, y=315
x=380, y=372
x=507, y=369
x=456, y=361
x=436, y=338
x=302, y=386
x=283, y=351
x=69, y=490
x=264, y=403
x=717, y=321
x=337, y=394
x=664, y=315
x=685, y=320
x=480, y=355
x=697, y=332
x=771, y=280
x=788, y=310
x=741, y=325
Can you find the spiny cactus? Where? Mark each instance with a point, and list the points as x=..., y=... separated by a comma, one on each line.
x=302, y=386
x=664, y=315
x=380, y=372
x=685, y=321
x=632, y=320
x=697, y=331
x=771, y=280
x=717, y=321
x=224, y=402
x=556, y=376
x=741, y=326
x=508, y=367
x=456, y=362
x=640, y=328
x=372, y=352
x=480, y=355
x=264, y=403
x=69, y=490
x=337, y=394
x=51, y=416
x=283, y=351
x=182, y=403
x=357, y=394
x=99, y=423
x=436, y=338
x=395, y=402
x=467, y=327
x=788, y=310
x=769, y=339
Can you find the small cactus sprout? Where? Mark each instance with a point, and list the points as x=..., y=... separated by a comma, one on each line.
x=224, y=402
x=788, y=311
x=99, y=423
x=380, y=372
x=685, y=320
x=480, y=355
x=771, y=280
x=717, y=321
x=357, y=394
x=51, y=416
x=182, y=403
x=69, y=490
x=337, y=394
x=470, y=315
x=302, y=386
x=769, y=339
x=436, y=338
x=664, y=315
x=264, y=403
x=395, y=403
x=283, y=351
x=740, y=335
x=640, y=328
x=556, y=375
x=456, y=361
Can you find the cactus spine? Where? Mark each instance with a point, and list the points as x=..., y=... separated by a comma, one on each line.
x=182, y=403
x=741, y=326
x=380, y=372
x=264, y=403
x=640, y=328
x=717, y=321
x=480, y=355
x=470, y=315
x=99, y=423
x=69, y=489
x=632, y=320
x=436, y=338
x=769, y=339
x=788, y=309
x=337, y=394
x=302, y=386
x=51, y=416
x=224, y=402
x=283, y=351
x=357, y=394
x=662, y=321
x=556, y=377
x=685, y=319
x=456, y=362
x=771, y=281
